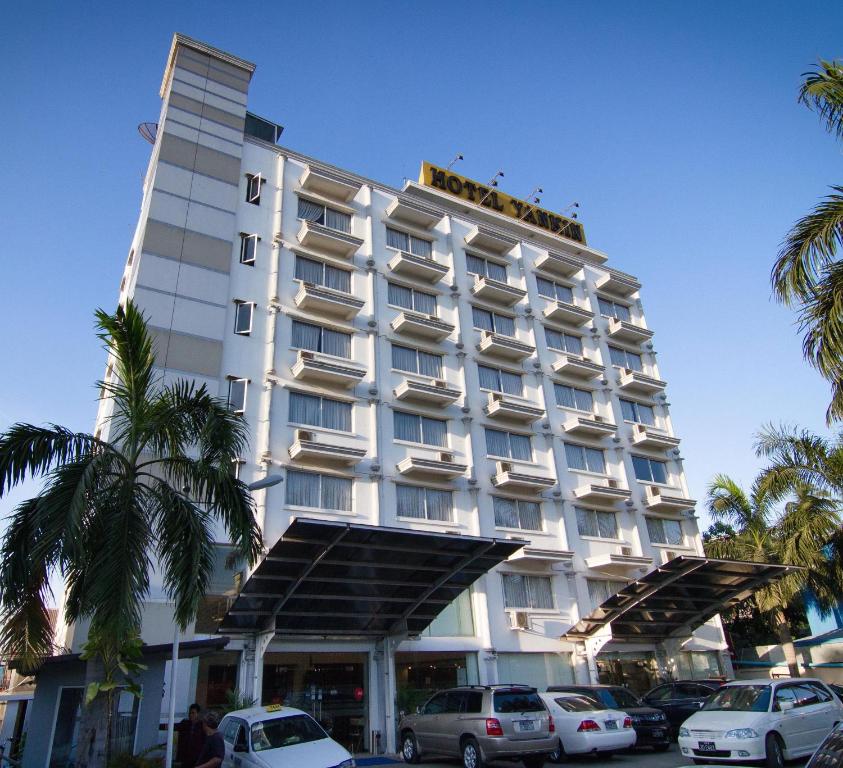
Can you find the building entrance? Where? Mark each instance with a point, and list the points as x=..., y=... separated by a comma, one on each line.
x=636, y=670
x=419, y=675
x=329, y=686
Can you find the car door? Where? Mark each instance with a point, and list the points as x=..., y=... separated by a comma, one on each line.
x=786, y=721
x=449, y=722
x=816, y=712
x=689, y=698
x=426, y=728
x=663, y=697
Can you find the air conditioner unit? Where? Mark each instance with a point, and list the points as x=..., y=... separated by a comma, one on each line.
x=504, y=466
x=487, y=334
x=520, y=620
x=446, y=457
x=305, y=354
x=612, y=483
x=304, y=434
x=654, y=490
x=309, y=284
x=495, y=397
x=439, y=383
x=626, y=551
x=668, y=555
x=432, y=317
x=640, y=429
x=597, y=417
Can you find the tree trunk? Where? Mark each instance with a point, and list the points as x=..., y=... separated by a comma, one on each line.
x=93, y=726
x=786, y=640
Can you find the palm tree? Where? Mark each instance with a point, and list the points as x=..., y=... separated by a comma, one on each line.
x=807, y=273
x=796, y=533
x=111, y=510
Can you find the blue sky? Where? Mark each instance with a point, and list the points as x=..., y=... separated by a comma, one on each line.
x=675, y=125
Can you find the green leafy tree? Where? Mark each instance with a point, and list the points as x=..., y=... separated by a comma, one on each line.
x=109, y=511
x=807, y=273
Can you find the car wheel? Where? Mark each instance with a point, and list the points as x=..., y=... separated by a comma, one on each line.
x=773, y=751
x=409, y=748
x=661, y=747
x=471, y=757
x=558, y=754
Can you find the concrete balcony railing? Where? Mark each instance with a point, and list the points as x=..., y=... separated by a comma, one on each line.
x=589, y=426
x=417, y=267
x=608, y=492
x=639, y=383
x=329, y=184
x=507, y=478
x=436, y=393
x=413, y=213
x=500, y=406
x=316, y=298
x=444, y=466
x=666, y=499
x=505, y=347
x=422, y=326
x=558, y=264
x=618, y=283
x=322, y=238
x=307, y=448
x=644, y=436
x=622, y=562
x=620, y=330
x=490, y=240
x=578, y=367
x=572, y=314
x=496, y=291
x=310, y=366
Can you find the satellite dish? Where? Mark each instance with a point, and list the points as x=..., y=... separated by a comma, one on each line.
x=149, y=131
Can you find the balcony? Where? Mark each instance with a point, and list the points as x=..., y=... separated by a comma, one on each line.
x=422, y=326
x=329, y=184
x=666, y=499
x=490, y=240
x=639, y=383
x=502, y=407
x=327, y=240
x=568, y=313
x=589, y=426
x=620, y=330
x=564, y=557
x=508, y=479
x=316, y=298
x=437, y=393
x=503, y=346
x=618, y=283
x=496, y=291
x=417, y=267
x=311, y=367
x=601, y=493
x=622, y=562
x=307, y=448
x=558, y=264
x=649, y=437
x=578, y=367
x=443, y=467
x=413, y=213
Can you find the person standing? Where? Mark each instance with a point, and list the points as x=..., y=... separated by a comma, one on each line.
x=191, y=738
x=213, y=752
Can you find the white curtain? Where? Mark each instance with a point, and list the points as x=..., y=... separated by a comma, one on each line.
x=336, y=493
x=399, y=296
x=338, y=279
x=337, y=220
x=308, y=270
x=421, y=247
x=410, y=501
x=607, y=525
x=406, y=426
x=305, y=336
x=673, y=531
x=336, y=343
x=546, y=288
x=482, y=319
x=586, y=522
x=304, y=409
x=540, y=592
x=574, y=456
x=424, y=303
x=434, y=432
x=336, y=415
x=302, y=489
x=311, y=211
x=489, y=378
x=504, y=325
x=496, y=271
x=512, y=383
x=440, y=505
x=594, y=460
x=573, y=344
x=403, y=359
x=554, y=339
x=521, y=449
x=396, y=239
x=530, y=515
x=430, y=365
x=515, y=591
x=506, y=513
x=564, y=293
x=475, y=265
x=496, y=443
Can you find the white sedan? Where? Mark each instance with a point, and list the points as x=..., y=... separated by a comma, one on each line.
x=279, y=737
x=583, y=727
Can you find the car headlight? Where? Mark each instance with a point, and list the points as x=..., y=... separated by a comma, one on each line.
x=661, y=716
x=741, y=733
x=683, y=731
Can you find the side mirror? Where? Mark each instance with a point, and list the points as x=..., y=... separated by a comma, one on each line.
x=701, y=704
x=418, y=709
x=785, y=706
x=241, y=748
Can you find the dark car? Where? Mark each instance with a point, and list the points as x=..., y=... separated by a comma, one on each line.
x=830, y=753
x=650, y=724
x=680, y=699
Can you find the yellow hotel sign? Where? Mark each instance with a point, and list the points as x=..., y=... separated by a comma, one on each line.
x=474, y=192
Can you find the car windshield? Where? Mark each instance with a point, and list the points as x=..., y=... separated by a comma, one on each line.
x=576, y=704
x=285, y=732
x=740, y=698
x=517, y=701
x=620, y=698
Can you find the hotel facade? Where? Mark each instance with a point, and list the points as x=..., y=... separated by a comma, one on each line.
x=439, y=359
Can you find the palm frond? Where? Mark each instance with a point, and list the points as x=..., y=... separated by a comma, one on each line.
x=726, y=500
x=822, y=92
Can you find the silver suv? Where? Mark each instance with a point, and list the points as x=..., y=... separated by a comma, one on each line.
x=480, y=723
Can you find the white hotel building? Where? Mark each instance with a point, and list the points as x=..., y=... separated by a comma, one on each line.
x=406, y=359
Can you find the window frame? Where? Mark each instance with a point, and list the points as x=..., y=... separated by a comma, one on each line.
x=585, y=449
x=508, y=433
x=244, y=238
x=635, y=406
x=325, y=209
x=321, y=398
x=574, y=390
x=415, y=351
x=626, y=352
x=424, y=489
x=661, y=521
x=615, y=305
x=238, y=307
x=324, y=266
x=410, y=237
x=596, y=513
x=251, y=179
x=499, y=372
x=564, y=335
x=518, y=503
x=320, y=506
x=495, y=315
x=322, y=330
x=413, y=291
x=528, y=577
x=503, y=264
x=421, y=430
x=556, y=285
x=233, y=380
x=650, y=461
x=621, y=584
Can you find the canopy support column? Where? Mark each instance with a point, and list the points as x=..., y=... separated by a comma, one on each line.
x=250, y=679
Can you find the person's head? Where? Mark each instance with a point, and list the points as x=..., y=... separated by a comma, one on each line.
x=193, y=713
x=210, y=722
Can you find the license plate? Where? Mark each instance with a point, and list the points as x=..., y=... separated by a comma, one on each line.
x=707, y=746
x=658, y=733
x=611, y=725
x=525, y=725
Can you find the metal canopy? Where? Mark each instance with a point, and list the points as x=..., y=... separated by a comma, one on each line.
x=345, y=580
x=676, y=598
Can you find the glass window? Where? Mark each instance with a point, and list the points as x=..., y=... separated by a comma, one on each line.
x=321, y=214
x=237, y=394
x=514, y=513
x=285, y=732
x=309, y=489
x=663, y=531
x=409, y=298
x=571, y=397
x=564, y=342
x=318, y=339
x=485, y=268
x=409, y=243
x=500, y=381
x=638, y=412
x=596, y=523
x=312, y=271
x=521, y=591
x=253, y=188
x=613, y=309
x=248, y=248
x=320, y=412
x=552, y=290
x=650, y=470
x=508, y=445
x=424, y=503
x=416, y=361
x=491, y=321
x=585, y=459
x=623, y=358
x=420, y=429
x=600, y=590
x=243, y=317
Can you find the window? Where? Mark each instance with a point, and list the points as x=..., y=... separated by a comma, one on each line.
x=309, y=489
x=416, y=361
x=585, y=459
x=316, y=272
x=409, y=243
x=243, y=317
x=508, y=445
x=410, y=298
x=491, y=321
x=237, y=394
x=420, y=429
x=424, y=503
x=500, y=381
x=625, y=359
x=571, y=397
x=131, y=258
x=651, y=470
x=521, y=591
x=253, y=188
x=248, y=248
x=318, y=339
x=485, y=268
x=600, y=590
x=610, y=308
x=320, y=412
x=551, y=290
x=663, y=531
x=321, y=214
x=593, y=522
x=638, y=412
x=564, y=342
x=513, y=513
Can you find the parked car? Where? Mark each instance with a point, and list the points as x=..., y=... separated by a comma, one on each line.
x=766, y=720
x=276, y=737
x=680, y=699
x=838, y=689
x=586, y=726
x=479, y=723
x=829, y=754
x=650, y=724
